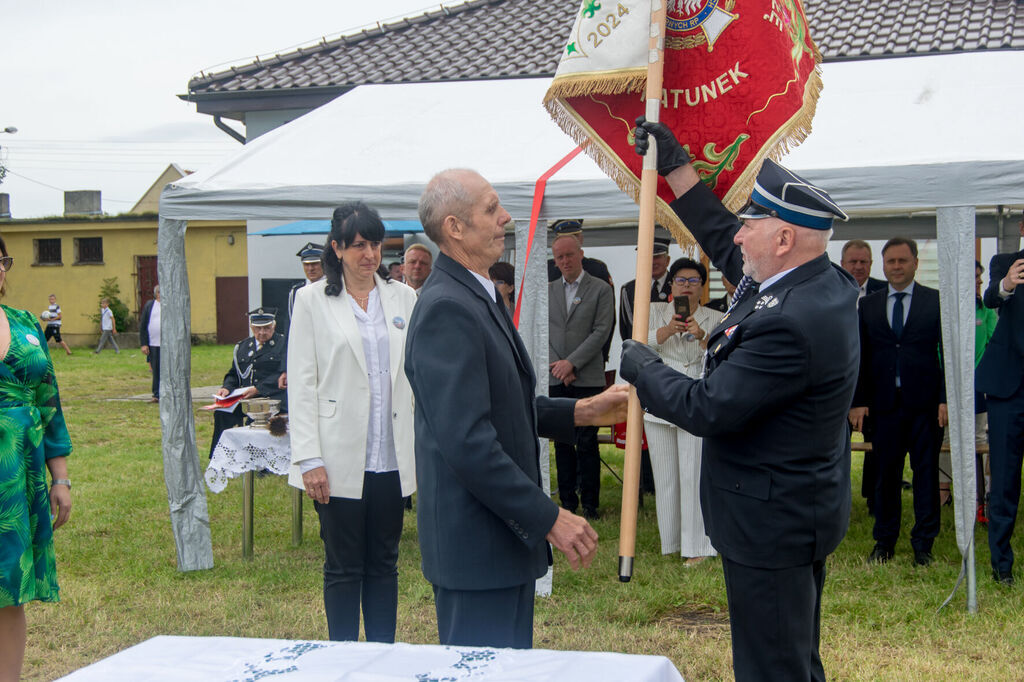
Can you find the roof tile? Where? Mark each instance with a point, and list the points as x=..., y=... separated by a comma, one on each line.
x=448, y=43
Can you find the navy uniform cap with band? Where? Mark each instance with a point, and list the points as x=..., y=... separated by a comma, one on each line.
x=567, y=226
x=261, y=317
x=310, y=253
x=660, y=247
x=781, y=193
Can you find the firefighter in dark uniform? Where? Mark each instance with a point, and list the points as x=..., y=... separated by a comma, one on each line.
x=313, y=268
x=256, y=366
x=595, y=268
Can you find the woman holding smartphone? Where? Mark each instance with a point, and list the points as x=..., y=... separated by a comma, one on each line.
x=678, y=331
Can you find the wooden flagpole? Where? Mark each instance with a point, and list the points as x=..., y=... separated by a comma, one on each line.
x=642, y=292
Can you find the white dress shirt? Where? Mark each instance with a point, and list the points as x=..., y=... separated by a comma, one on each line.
x=380, y=440
x=571, y=288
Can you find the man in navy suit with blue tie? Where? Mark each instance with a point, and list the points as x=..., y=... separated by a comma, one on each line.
x=903, y=389
x=1000, y=376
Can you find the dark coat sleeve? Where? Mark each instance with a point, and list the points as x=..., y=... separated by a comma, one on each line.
x=997, y=269
x=865, y=388
x=231, y=381
x=770, y=367
x=714, y=228
x=556, y=419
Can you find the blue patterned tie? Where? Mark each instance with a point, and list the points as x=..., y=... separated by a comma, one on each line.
x=741, y=290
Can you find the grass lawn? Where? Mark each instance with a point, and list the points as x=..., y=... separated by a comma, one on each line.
x=120, y=585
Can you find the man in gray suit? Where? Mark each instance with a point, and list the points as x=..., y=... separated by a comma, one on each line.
x=580, y=310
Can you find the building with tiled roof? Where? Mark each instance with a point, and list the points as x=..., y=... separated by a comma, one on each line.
x=447, y=44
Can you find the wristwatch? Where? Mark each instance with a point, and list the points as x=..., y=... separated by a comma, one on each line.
x=61, y=481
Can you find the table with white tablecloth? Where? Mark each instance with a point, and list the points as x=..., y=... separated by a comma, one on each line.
x=242, y=451
x=209, y=659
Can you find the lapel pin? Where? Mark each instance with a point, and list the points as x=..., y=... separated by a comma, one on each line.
x=32, y=339
x=399, y=322
x=576, y=300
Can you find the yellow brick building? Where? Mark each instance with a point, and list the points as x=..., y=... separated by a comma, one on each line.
x=70, y=257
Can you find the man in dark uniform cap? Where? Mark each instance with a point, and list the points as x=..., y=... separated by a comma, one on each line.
x=310, y=256
x=780, y=372
x=313, y=267
x=256, y=366
x=573, y=227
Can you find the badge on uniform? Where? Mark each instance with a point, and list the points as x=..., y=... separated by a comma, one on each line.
x=399, y=322
x=729, y=331
x=766, y=301
x=250, y=353
x=576, y=300
x=32, y=338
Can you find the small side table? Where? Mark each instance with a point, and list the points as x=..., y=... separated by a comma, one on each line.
x=241, y=452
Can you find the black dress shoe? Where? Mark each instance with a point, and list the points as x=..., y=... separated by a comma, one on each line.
x=1003, y=577
x=922, y=557
x=880, y=554
x=591, y=514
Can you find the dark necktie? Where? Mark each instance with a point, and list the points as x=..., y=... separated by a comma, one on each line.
x=897, y=314
x=741, y=290
x=655, y=291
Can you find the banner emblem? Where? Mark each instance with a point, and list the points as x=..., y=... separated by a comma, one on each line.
x=692, y=23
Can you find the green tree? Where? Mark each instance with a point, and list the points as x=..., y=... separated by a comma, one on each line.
x=110, y=291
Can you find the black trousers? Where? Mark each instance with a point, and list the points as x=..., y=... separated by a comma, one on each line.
x=361, y=559
x=775, y=620
x=579, y=463
x=907, y=429
x=154, y=362
x=497, y=618
x=1006, y=443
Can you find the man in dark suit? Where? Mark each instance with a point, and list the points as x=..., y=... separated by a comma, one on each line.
x=856, y=259
x=901, y=385
x=721, y=303
x=256, y=366
x=580, y=316
x=1000, y=375
x=573, y=227
x=779, y=376
x=482, y=516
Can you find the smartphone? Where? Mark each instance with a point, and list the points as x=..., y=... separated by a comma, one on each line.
x=682, y=305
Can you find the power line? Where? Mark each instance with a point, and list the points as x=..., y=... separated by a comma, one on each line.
x=39, y=182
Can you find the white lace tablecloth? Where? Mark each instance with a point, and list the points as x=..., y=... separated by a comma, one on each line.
x=208, y=659
x=247, y=449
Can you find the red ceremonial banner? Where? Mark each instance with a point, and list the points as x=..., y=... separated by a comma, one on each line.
x=740, y=83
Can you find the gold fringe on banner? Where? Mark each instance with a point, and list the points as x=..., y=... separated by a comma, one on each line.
x=791, y=134
x=597, y=83
x=609, y=163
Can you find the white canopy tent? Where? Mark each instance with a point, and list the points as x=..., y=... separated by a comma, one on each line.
x=896, y=142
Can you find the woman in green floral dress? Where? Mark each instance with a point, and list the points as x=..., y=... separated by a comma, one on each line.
x=33, y=438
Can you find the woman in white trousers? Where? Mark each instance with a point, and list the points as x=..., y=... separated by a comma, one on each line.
x=675, y=454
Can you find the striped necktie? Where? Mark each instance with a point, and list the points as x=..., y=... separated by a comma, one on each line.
x=741, y=290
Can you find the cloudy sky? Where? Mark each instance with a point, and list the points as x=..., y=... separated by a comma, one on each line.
x=91, y=86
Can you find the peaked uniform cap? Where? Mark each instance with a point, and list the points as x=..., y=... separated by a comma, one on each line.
x=261, y=317
x=567, y=226
x=781, y=193
x=310, y=253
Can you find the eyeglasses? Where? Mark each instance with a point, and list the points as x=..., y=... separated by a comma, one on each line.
x=6, y=263
x=499, y=281
x=687, y=280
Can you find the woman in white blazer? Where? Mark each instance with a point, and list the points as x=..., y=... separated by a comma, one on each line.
x=675, y=454
x=351, y=421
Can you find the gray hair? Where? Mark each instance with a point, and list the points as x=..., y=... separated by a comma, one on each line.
x=444, y=195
